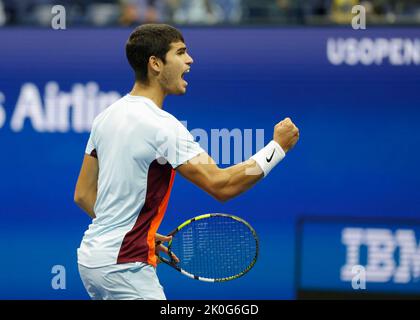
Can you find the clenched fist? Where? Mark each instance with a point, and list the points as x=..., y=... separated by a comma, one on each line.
x=286, y=134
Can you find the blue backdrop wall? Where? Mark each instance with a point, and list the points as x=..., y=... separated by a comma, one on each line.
x=353, y=94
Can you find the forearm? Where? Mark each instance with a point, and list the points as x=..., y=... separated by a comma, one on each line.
x=222, y=184
x=237, y=179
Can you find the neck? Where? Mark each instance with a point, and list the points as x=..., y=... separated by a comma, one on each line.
x=152, y=91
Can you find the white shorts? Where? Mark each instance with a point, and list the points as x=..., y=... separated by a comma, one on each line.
x=128, y=281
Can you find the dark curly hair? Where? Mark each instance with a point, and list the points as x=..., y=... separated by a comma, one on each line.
x=149, y=40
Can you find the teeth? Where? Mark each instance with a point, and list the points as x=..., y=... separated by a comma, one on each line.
x=186, y=71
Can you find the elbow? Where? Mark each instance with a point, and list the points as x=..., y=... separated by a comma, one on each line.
x=221, y=197
x=78, y=198
x=84, y=201
x=219, y=189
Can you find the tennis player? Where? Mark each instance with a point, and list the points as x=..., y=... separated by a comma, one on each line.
x=133, y=152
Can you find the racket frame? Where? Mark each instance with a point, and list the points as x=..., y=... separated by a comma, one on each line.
x=173, y=264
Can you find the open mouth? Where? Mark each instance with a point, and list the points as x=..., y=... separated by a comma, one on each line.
x=183, y=74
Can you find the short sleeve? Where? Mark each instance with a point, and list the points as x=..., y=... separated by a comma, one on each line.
x=177, y=144
x=90, y=146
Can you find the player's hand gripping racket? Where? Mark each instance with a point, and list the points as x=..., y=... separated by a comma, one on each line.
x=213, y=247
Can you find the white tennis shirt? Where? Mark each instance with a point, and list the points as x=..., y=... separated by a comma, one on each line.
x=138, y=146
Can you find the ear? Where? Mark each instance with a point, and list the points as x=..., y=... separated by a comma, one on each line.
x=155, y=64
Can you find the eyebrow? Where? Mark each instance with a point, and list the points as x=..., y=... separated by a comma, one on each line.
x=181, y=49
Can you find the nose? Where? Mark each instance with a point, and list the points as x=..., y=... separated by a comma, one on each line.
x=189, y=60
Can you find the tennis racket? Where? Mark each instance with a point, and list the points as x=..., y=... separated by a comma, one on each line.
x=213, y=247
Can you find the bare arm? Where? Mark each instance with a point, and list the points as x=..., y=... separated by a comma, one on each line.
x=87, y=184
x=222, y=184
x=225, y=184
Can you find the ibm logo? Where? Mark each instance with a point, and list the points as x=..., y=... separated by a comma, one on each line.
x=391, y=256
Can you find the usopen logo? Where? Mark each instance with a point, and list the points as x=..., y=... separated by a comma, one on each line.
x=390, y=256
x=373, y=51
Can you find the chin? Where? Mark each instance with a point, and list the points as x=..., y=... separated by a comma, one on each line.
x=180, y=91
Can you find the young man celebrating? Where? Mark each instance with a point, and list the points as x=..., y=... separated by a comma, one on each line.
x=127, y=173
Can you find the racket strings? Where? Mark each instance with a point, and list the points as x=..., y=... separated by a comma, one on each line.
x=215, y=248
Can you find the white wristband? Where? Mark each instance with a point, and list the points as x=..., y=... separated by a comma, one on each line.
x=269, y=156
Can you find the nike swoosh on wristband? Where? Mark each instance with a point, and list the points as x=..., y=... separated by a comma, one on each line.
x=269, y=159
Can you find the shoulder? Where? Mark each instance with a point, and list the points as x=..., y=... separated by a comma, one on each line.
x=100, y=116
x=173, y=123
x=104, y=114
